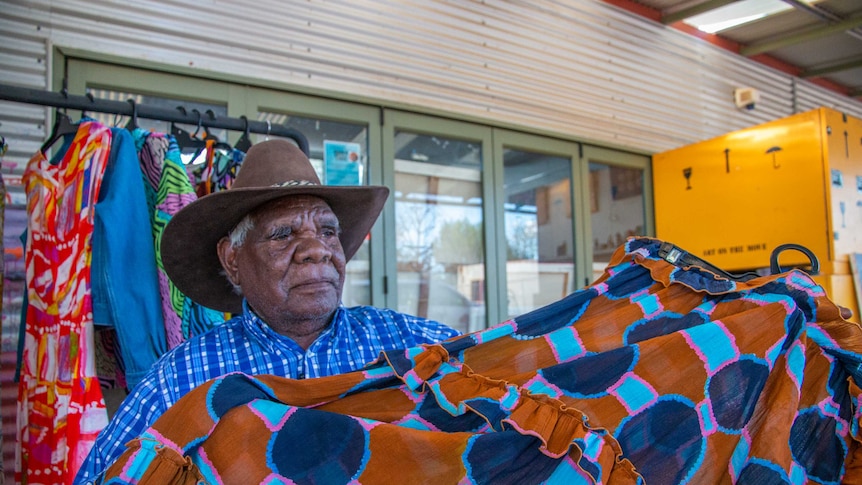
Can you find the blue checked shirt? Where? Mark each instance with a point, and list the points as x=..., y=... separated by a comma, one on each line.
x=246, y=344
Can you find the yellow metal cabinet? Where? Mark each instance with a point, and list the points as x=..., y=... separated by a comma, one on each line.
x=734, y=198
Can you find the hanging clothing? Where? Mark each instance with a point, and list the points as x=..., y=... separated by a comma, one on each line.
x=3, y=269
x=219, y=172
x=125, y=282
x=656, y=374
x=60, y=405
x=169, y=188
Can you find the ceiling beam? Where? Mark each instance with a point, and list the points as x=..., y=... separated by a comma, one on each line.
x=844, y=66
x=814, y=10
x=821, y=14
x=812, y=34
x=684, y=13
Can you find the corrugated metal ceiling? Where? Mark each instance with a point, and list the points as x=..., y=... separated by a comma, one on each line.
x=820, y=41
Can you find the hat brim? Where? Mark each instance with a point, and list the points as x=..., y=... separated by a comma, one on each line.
x=189, y=241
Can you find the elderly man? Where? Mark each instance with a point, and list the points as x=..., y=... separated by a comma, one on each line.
x=272, y=251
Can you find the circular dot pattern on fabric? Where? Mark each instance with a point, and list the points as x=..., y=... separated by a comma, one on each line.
x=508, y=458
x=665, y=440
x=318, y=447
x=821, y=458
x=733, y=392
x=579, y=378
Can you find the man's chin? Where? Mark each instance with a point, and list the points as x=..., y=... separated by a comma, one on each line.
x=320, y=309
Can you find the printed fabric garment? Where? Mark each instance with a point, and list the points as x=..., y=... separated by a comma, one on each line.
x=3, y=148
x=219, y=172
x=169, y=189
x=125, y=282
x=60, y=405
x=2, y=248
x=654, y=374
x=246, y=344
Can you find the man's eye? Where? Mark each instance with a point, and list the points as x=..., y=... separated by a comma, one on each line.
x=329, y=231
x=281, y=233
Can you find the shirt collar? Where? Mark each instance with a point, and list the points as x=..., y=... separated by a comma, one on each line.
x=270, y=339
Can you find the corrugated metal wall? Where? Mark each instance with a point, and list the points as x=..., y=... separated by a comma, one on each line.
x=580, y=68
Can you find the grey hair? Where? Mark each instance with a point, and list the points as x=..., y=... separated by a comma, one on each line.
x=237, y=237
x=239, y=232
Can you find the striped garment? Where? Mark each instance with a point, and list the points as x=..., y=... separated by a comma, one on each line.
x=246, y=344
x=169, y=188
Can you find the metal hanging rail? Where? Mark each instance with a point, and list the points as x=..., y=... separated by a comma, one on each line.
x=129, y=108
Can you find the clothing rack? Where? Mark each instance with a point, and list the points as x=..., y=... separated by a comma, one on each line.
x=129, y=108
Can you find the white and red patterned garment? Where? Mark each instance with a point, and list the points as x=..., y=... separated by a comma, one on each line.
x=60, y=404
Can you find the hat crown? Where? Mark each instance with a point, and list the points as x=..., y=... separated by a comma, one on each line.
x=275, y=163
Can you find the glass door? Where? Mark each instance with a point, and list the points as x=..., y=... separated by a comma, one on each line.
x=619, y=192
x=539, y=221
x=439, y=220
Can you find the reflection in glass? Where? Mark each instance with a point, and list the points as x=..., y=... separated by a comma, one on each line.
x=338, y=150
x=439, y=227
x=538, y=225
x=617, y=209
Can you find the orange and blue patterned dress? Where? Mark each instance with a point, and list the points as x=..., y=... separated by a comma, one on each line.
x=657, y=373
x=60, y=404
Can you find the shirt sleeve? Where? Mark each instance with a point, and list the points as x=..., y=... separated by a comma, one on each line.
x=136, y=413
x=423, y=330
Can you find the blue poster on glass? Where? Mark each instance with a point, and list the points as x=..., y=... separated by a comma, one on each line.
x=343, y=161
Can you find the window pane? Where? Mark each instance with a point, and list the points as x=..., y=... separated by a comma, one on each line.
x=538, y=225
x=617, y=207
x=439, y=229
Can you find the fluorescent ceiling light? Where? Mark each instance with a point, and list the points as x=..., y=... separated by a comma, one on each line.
x=737, y=13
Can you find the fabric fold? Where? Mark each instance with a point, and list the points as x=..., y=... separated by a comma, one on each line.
x=168, y=465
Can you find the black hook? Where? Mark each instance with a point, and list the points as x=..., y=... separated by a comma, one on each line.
x=133, y=120
x=775, y=267
x=181, y=109
x=200, y=120
x=244, y=142
x=92, y=99
x=65, y=91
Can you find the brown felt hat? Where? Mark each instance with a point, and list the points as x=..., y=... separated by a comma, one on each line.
x=271, y=170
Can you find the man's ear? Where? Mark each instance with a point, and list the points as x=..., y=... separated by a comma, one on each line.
x=227, y=254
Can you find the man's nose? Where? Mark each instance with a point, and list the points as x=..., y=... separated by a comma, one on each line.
x=310, y=249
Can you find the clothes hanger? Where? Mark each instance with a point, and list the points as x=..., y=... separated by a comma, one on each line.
x=244, y=142
x=217, y=144
x=133, y=120
x=63, y=126
x=92, y=99
x=187, y=140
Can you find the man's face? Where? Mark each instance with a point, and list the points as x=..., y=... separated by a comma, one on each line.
x=291, y=265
